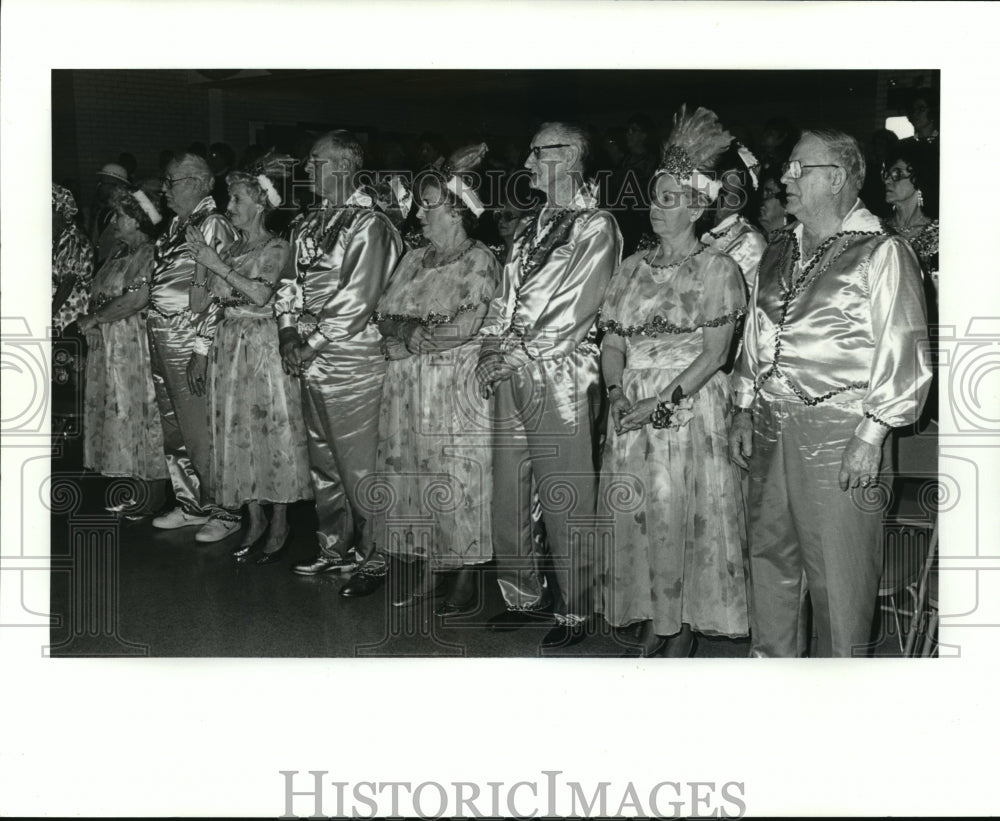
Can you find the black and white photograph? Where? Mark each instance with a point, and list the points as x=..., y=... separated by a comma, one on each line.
x=398, y=397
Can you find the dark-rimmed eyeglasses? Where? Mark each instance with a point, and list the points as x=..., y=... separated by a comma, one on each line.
x=536, y=150
x=793, y=168
x=897, y=174
x=169, y=183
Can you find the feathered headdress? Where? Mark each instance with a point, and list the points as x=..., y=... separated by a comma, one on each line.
x=693, y=148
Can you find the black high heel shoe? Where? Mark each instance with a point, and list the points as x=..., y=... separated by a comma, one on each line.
x=245, y=550
x=275, y=555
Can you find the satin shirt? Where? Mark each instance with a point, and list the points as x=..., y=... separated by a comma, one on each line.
x=740, y=240
x=173, y=265
x=555, y=309
x=344, y=259
x=848, y=326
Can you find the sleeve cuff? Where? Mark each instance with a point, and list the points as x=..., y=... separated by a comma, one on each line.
x=317, y=341
x=872, y=432
x=286, y=321
x=744, y=398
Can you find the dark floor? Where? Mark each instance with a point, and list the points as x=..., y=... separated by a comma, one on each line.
x=121, y=588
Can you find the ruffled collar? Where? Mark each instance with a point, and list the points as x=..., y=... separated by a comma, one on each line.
x=858, y=218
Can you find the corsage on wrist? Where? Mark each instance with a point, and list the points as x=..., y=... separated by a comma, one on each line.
x=674, y=414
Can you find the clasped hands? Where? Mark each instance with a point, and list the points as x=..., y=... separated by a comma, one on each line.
x=627, y=416
x=495, y=366
x=296, y=355
x=201, y=251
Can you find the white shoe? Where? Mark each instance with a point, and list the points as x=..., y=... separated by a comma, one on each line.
x=178, y=518
x=216, y=530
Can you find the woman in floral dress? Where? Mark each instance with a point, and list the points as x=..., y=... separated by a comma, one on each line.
x=121, y=428
x=677, y=564
x=259, y=450
x=434, y=455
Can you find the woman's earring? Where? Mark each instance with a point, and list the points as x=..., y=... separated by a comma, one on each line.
x=920, y=198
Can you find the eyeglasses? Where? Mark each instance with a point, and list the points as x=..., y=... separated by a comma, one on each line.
x=897, y=174
x=793, y=169
x=537, y=150
x=169, y=183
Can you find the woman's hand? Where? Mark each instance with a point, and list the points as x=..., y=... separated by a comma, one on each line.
x=94, y=338
x=414, y=335
x=197, y=370
x=620, y=406
x=86, y=323
x=641, y=413
x=201, y=252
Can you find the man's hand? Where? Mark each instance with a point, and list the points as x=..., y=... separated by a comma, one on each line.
x=197, y=370
x=288, y=344
x=741, y=439
x=860, y=465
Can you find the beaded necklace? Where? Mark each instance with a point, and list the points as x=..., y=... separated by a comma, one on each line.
x=789, y=291
x=310, y=248
x=670, y=265
x=463, y=249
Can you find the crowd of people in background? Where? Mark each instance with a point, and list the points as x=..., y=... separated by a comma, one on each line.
x=464, y=356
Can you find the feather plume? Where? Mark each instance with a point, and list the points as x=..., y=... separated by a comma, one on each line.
x=697, y=141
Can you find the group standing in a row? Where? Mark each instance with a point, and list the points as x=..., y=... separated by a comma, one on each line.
x=433, y=401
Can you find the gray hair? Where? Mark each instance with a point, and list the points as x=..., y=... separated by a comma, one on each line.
x=575, y=135
x=845, y=151
x=197, y=166
x=345, y=142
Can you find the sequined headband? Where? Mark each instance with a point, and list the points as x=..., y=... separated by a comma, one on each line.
x=677, y=163
x=147, y=206
x=268, y=188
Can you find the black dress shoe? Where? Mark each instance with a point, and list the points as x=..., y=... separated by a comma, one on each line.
x=361, y=584
x=516, y=619
x=450, y=608
x=564, y=635
x=323, y=564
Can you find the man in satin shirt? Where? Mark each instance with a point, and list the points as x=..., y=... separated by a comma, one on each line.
x=178, y=309
x=345, y=252
x=834, y=356
x=539, y=366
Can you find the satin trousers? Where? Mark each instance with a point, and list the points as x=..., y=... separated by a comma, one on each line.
x=543, y=432
x=341, y=398
x=806, y=531
x=187, y=438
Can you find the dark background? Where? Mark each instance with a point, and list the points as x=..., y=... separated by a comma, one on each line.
x=99, y=113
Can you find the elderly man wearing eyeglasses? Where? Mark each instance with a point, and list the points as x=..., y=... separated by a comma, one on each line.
x=178, y=304
x=834, y=357
x=539, y=367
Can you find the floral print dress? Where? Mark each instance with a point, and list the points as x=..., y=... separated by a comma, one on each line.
x=122, y=434
x=434, y=462
x=259, y=449
x=675, y=498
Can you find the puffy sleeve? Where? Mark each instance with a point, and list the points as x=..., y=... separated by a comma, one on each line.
x=724, y=296
x=371, y=254
x=742, y=379
x=614, y=307
x=900, y=372
x=270, y=264
x=288, y=304
x=218, y=232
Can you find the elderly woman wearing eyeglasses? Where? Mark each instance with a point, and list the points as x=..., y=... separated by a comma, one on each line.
x=677, y=562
